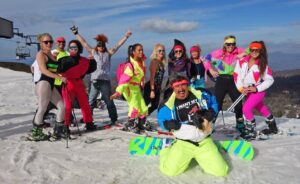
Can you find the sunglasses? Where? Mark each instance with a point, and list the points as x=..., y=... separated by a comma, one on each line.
x=73, y=48
x=230, y=44
x=178, y=51
x=160, y=50
x=47, y=42
x=255, y=50
x=61, y=42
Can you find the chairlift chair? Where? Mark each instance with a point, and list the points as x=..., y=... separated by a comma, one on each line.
x=22, y=52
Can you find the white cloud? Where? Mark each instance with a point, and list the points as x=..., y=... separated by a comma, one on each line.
x=166, y=26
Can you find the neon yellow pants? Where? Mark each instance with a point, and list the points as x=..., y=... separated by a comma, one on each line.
x=136, y=102
x=175, y=160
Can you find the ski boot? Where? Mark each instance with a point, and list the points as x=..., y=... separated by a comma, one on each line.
x=131, y=126
x=144, y=125
x=240, y=126
x=249, y=133
x=61, y=131
x=272, y=126
x=37, y=134
x=90, y=126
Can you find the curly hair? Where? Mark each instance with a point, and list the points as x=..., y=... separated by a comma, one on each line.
x=101, y=38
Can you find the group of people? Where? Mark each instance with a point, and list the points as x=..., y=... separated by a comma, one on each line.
x=58, y=75
x=183, y=105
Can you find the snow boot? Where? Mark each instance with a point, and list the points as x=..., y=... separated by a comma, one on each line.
x=142, y=124
x=131, y=126
x=90, y=126
x=37, y=134
x=249, y=133
x=240, y=126
x=272, y=126
x=60, y=130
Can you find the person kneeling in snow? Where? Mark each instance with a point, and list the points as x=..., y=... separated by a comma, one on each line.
x=188, y=115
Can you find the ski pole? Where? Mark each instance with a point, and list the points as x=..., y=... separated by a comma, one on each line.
x=230, y=109
x=223, y=118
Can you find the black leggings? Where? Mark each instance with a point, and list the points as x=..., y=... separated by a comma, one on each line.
x=225, y=84
x=155, y=101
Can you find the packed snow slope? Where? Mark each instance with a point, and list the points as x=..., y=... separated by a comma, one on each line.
x=276, y=160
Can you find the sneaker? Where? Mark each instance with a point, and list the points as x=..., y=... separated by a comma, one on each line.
x=90, y=126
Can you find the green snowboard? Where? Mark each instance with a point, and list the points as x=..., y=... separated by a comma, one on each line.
x=142, y=145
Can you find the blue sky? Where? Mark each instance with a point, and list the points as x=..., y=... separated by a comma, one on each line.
x=203, y=22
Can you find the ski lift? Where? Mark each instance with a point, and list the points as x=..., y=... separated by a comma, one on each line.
x=22, y=52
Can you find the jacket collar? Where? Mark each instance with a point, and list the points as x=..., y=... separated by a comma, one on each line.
x=171, y=101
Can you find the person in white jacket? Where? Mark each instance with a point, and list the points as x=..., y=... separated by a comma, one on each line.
x=253, y=77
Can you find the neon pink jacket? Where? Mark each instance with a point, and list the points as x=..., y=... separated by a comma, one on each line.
x=229, y=58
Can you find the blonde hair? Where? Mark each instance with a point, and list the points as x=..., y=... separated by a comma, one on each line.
x=154, y=53
x=41, y=36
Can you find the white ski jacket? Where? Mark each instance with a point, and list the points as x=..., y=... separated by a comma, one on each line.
x=245, y=77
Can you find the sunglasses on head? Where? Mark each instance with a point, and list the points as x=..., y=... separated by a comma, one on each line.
x=255, y=50
x=73, y=48
x=230, y=44
x=48, y=41
x=178, y=51
x=160, y=50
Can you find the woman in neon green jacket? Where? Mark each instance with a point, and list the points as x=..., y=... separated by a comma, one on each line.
x=130, y=85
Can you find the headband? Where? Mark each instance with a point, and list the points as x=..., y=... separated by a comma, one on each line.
x=178, y=47
x=194, y=49
x=230, y=40
x=255, y=46
x=181, y=82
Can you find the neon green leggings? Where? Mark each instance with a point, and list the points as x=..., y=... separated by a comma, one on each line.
x=175, y=160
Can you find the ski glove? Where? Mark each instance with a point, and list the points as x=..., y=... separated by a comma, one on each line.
x=74, y=30
x=172, y=124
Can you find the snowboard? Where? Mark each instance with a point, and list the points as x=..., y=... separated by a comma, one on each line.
x=142, y=145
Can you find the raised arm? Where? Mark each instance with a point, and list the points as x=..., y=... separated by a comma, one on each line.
x=113, y=50
x=81, y=39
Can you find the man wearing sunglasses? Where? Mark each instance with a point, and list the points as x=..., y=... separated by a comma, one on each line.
x=192, y=139
x=58, y=53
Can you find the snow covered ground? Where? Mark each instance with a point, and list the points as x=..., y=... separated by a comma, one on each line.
x=108, y=161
